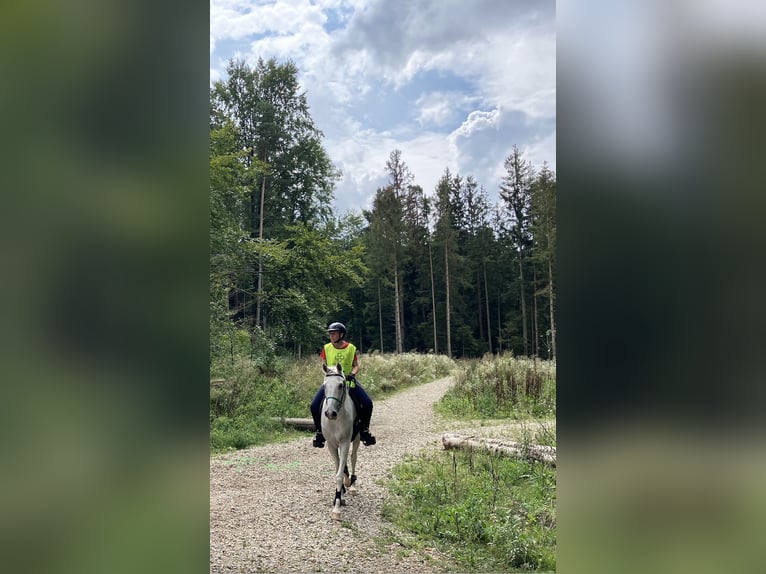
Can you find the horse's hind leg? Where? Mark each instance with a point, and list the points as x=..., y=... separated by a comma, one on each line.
x=349, y=480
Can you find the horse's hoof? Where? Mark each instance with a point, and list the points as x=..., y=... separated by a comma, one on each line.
x=352, y=490
x=335, y=515
x=343, y=503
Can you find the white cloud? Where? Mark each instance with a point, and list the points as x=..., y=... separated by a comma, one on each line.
x=363, y=162
x=438, y=108
x=450, y=83
x=237, y=19
x=477, y=121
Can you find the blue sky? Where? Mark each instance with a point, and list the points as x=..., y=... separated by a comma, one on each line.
x=451, y=83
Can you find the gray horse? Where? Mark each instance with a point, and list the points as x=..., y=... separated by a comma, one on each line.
x=338, y=428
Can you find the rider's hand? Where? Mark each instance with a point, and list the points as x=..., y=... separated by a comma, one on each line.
x=350, y=377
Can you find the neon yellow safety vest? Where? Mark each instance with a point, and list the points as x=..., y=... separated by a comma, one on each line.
x=345, y=356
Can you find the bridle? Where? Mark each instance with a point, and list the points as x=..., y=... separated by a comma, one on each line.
x=343, y=395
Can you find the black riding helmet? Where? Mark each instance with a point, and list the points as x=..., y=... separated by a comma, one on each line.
x=340, y=327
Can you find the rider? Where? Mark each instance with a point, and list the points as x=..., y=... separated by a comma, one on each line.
x=340, y=351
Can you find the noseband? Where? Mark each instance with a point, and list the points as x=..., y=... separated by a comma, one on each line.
x=343, y=395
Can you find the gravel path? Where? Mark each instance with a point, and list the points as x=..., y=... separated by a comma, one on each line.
x=270, y=505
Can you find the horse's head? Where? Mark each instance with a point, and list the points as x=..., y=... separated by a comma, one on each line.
x=334, y=390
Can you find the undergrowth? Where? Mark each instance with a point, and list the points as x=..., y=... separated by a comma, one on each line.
x=489, y=513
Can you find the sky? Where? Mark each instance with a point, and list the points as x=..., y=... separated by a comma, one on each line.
x=451, y=83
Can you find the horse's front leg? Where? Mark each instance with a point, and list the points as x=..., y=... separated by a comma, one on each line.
x=342, y=456
x=351, y=480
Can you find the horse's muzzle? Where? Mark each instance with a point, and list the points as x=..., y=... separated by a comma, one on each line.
x=332, y=415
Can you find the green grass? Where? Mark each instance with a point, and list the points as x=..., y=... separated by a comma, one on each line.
x=489, y=513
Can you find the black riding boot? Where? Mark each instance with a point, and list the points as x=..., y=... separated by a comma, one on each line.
x=318, y=441
x=364, y=427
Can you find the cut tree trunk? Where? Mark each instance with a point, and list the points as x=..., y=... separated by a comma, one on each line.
x=546, y=454
x=302, y=424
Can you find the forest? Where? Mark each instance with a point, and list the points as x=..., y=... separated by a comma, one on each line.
x=442, y=270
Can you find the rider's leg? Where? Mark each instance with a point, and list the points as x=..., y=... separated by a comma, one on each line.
x=316, y=406
x=364, y=407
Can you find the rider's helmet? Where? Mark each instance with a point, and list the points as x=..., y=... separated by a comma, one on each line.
x=340, y=327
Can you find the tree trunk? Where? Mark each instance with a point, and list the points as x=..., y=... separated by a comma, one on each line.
x=446, y=273
x=499, y=327
x=534, y=311
x=550, y=299
x=397, y=313
x=303, y=424
x=380, y=317
x=259, y=288
x=523, y=306
x=433, y=297
x=478, y=304
x=486, y=300
x=546, y=454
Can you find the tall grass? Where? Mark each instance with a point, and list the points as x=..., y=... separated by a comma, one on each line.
x=488, y=513
x=243, y=408
x=502, y=387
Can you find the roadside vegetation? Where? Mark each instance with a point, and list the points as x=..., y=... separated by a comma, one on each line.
x=506, y=387
x=489, y=513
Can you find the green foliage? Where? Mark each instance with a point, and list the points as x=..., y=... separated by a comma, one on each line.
x=515, y=387
x=235, y=353
x=243, y=405
x=491, y=514
x=271, y=187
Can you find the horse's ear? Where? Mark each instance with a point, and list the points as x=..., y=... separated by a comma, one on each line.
x=325, y=368
x=340, y=368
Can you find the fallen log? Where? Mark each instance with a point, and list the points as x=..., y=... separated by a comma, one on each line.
x=302, y=424
x=546, y=454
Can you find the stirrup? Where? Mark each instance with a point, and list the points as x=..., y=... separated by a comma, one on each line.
x=318, y=441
